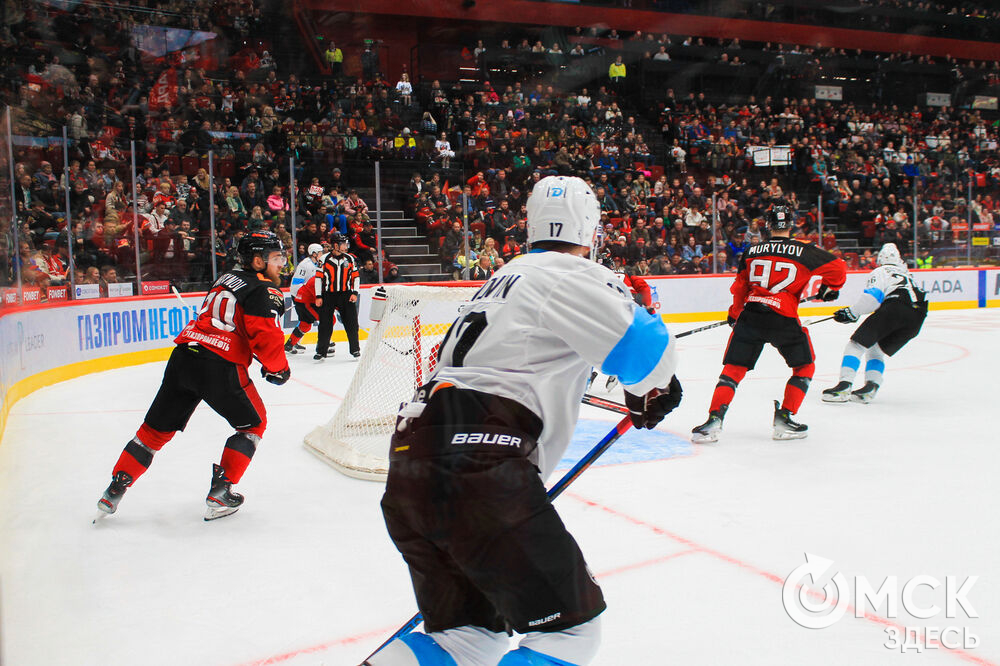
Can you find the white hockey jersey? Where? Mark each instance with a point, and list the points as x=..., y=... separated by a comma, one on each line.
x=887, y=282
x=534, y=330
x=306, y=270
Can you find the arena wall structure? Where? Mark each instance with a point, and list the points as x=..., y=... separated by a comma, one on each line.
x=43, y=345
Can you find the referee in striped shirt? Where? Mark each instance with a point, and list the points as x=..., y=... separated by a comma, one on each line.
x=337, y=283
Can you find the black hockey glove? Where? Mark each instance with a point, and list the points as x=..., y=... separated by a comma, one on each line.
x=278, y=378
x=731, y=320
x=651, y=310
x=845, y=316
x=827, y=294
x=648, y=410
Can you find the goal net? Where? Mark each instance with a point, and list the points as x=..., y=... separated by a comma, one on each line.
x=399, y=356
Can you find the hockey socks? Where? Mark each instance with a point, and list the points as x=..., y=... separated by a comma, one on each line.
x=138, y=453
x=299, y=331
x=852, y=361
x=729, y=380
x=237, y=454
x=875, y=365
x=795, y=389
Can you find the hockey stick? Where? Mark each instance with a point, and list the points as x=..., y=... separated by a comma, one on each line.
x=586, y=461
x=723, y=323
x=816, y=321
x=609, y=405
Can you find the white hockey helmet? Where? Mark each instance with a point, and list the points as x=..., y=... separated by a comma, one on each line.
x=314, y=248
x=889, y=254
x=563, y=208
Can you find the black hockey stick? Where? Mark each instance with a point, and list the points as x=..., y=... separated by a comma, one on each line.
x=586, y=461
x=723, y=323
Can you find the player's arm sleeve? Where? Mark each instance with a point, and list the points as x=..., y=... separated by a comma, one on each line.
x=874, y=293
x=262, y=311
x=319, y=280
x=642, y=288
x=833, y=273
x=355, y=277
x=621, y=338
x=739, y=289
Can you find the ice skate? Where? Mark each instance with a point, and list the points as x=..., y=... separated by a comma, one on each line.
x=611, y=383
x=299, y=347
x=290, y=348
x=785, y=427
x=319, y=357
x=221, y=500
x=708, y=431
x=108, y=503
x=593, y=376
x=839, y=393
x=356, y=354
x=865, y=394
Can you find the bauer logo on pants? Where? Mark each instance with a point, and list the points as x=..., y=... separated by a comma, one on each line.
x=485, y=438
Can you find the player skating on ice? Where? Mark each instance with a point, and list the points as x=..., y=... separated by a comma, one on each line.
x=238, y=320
x=465, y=500
x=303, y=290
x=898, y=308
x=766, y=294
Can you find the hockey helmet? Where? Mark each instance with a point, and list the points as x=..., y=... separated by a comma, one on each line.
x=256, y=243
x=337, y=239
x=314, y=248
x=779, y=218
x=563, y=208
x=889, y=254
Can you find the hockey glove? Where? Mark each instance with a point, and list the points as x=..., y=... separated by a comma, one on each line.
x=845, y=316
x=648, y=410
x=278, y=378
x=731, y=320
x=651, y=310
x=827, y=294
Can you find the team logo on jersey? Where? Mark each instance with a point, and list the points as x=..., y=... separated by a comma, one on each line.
x=277, y=298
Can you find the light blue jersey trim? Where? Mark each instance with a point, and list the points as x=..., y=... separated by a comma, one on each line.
x=852, y=362
x=427, y=651
x=639, y=350
x=875, y=364
x=875, y=293
x=537, y=250
x=523, y=656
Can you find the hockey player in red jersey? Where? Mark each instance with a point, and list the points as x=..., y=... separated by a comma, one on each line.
x=766, y=294
x=238, y=320
x=641, y=292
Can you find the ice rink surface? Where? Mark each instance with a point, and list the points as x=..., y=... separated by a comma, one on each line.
x=690, y=543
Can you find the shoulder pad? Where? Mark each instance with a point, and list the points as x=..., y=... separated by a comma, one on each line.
x=277, y=298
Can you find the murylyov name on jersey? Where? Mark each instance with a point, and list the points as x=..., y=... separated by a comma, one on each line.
x=776, y=248
x=122, y=327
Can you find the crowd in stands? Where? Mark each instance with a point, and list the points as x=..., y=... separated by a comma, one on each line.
x=661, y=176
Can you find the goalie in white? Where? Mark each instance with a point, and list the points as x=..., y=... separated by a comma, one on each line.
x=898, y=308
x=465, y=500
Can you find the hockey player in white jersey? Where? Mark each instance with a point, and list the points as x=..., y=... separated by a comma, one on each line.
x=304, y=296
x=898, y=310
x=465, y=499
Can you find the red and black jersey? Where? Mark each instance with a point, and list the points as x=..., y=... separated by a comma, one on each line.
x=240, y=319
x=337, y=274
x=775, y=273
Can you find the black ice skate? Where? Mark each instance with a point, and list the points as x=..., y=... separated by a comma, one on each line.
x=221, y=500
x=865, y=394
x=299, y=347
x=708, y=431
x=611, y=383
x=108, y=503
x=839, y=393
x=319, y=357
x=785, y=427
x=290, y=348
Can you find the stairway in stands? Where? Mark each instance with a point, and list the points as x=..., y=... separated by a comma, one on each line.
x=408, y=249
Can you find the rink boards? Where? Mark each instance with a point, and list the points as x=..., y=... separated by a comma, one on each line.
x=44, y=345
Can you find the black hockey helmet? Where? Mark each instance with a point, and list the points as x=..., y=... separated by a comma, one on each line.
x=779, y=218
x=337, y=238
x=257, y=243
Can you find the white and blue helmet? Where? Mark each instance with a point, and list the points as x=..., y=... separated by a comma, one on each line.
x=563, y=208
x=889, y=254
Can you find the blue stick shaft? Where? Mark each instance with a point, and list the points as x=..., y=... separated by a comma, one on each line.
x=586, y=461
